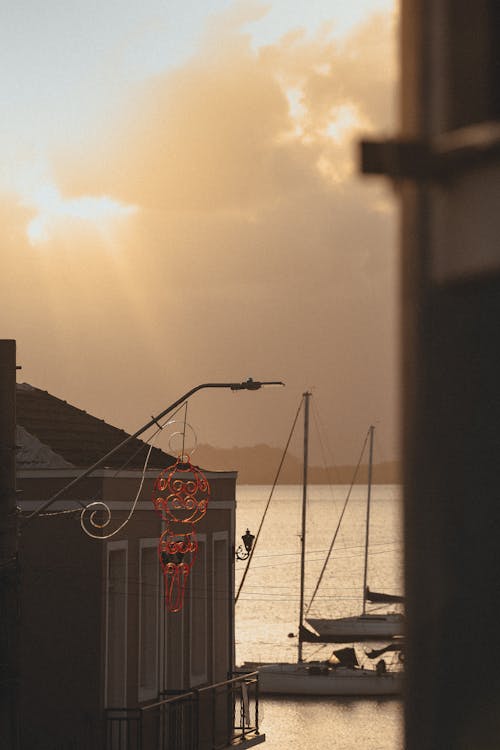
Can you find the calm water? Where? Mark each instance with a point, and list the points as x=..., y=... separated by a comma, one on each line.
x=267, y=610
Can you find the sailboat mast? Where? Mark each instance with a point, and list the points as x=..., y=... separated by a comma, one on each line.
x=368, y=503
x=306, y=396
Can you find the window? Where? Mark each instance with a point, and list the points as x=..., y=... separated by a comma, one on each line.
x=116, y=625
x=221, y=608
x=173, y=649
x=197, y=583
x=149, y=595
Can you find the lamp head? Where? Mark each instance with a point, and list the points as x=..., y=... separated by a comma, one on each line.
x=243, y=553
x=247, y=539
x=254, y=385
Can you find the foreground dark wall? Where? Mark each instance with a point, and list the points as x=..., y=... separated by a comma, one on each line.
x=453, y=523
x=60, y=629
x=451, y=371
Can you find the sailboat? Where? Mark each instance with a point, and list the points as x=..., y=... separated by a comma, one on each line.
x=367, y=625
x=339, y=675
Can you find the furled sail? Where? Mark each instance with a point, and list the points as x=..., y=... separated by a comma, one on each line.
x=381, y=598
x=374, y=653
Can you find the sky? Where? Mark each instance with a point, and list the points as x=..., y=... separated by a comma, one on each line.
x=180, y=203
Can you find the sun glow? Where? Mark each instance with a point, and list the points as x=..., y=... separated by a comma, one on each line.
x=344, y=120
x=97, y=212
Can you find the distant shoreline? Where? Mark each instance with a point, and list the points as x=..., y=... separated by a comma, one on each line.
x=316, y=484
x=258, y=464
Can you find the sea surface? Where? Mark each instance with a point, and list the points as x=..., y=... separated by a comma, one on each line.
x=267, y=608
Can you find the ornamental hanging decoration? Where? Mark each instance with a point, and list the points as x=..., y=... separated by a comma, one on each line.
x=180, y=495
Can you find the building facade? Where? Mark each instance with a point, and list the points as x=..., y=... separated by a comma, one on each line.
x=98, y=644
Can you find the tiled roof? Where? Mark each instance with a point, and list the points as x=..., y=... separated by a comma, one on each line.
x=56, y=434
x=33, y=454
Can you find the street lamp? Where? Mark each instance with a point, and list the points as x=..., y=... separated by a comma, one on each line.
x=244, y=554
x=246, y=385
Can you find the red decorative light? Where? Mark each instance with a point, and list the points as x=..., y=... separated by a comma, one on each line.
x=177, y=551
x=180, y=495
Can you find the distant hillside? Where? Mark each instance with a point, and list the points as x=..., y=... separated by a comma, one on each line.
x=258, y=464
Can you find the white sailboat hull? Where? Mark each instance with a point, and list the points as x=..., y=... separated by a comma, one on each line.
x=361, y=627
x=307, y=679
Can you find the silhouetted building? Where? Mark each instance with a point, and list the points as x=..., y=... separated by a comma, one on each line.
x=102, y=661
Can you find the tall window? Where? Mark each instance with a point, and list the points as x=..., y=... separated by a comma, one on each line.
x=199, y=624
x=173, y=650
x=148, y=619
x=116, y=625
x=221, y=608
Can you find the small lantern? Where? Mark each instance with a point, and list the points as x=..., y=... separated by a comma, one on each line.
x=247, y=540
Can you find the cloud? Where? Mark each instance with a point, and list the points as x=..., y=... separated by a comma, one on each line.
x=255, y=248
x=217, y=133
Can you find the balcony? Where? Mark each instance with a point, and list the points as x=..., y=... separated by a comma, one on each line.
x=216, y=717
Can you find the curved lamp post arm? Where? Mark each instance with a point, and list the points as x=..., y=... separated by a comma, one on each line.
x=247, y=385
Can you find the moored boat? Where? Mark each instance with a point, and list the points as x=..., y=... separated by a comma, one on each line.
x=364, y=627
x=316, y=678
x=341, y=675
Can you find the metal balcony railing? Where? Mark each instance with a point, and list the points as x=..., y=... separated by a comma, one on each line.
x=210, y=718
